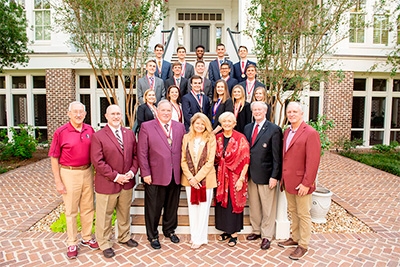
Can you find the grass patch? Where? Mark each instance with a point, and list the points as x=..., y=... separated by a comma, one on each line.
x=388, y=162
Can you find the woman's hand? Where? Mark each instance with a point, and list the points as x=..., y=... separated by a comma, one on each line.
x=193, y=182
x=239, y=184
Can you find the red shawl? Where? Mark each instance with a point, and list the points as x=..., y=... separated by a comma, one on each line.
x=230, y=165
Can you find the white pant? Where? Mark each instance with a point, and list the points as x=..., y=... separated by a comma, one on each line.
x=198, y=217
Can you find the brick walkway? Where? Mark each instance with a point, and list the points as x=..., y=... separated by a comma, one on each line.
x=28, y=193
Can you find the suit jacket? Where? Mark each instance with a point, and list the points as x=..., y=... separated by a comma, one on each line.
x=207, y=171
x=190, y=106
x=265, y=153
x=257, y=84
x=144, y=113
x=244, y=117
x=183, y=84
x=109, y=159
x=207, y=88
x=214, y=73
x=165, y=70
x=231, y=83
x=237, y=70
x=189, y=70
x=227, y=106
x=143, y=85
x=156, y=157
x=301, y=159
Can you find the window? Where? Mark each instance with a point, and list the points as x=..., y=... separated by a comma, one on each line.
x=3, y=112
x=42, y=20
x=85, y=99
x=19, y=82
x=357, y=29
x=2, y=82
x=84, y=81
x=381, y=29
x=20, y=110
x=39, y=82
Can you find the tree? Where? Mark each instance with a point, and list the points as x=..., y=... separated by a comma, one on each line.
x=114, y=36
x=13, y=38
x=292, y=38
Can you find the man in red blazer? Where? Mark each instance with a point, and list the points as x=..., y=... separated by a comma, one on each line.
x=113, y=154
x=159, y=155
x=301, y=156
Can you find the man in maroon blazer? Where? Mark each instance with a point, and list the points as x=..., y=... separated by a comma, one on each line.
x=159, y=155
x=113, y=154
x=301, y=155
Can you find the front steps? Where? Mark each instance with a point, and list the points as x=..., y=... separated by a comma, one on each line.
x=138, y=223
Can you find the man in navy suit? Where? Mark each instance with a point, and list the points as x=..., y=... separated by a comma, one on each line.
x=177, y=79
x=265, y=140
x=239, y=68
x=214, y=67
x=163, y=68
x=225, y=72
x=251, y=83
x=195, y=101
x=206, y=86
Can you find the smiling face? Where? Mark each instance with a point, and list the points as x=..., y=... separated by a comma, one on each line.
x=294, y=114
x=228, y=123
x=151, y=97
x=237, y=93
x=225, y=69
x=199, y=126
x=77, y=114
x=151, y=68
x=220, y=87
x=243, y=53
x=173, y=94
x=259, y=111
x=259, y=95
x=181, y=53
x=221, y=51
x=113, y=116
x=199, y=52
x=251, y=73
x=159, y=52
x=196, y=85
x=164, y=111
x=200, y=68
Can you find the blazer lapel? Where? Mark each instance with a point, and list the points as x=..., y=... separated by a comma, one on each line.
x=261, y=132
x=113, y=139
x=161, y=132
x=299, y=132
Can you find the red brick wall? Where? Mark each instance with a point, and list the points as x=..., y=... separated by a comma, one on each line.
x=60, y=91
x=338, y=101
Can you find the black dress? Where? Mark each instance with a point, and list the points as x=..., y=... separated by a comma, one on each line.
x=243, y=118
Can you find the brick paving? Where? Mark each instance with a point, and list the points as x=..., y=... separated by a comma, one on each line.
x=27, y=194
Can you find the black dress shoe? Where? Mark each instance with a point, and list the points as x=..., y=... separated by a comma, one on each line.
x=174, y=238
x=130, y=243
x=253, y=236
x=108, y=253
x=155, y=243
x=265, y=244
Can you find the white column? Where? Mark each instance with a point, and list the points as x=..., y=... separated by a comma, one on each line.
x=282, y=223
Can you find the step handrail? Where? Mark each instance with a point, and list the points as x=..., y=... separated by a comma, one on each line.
x=231, y=33
x=171, y=31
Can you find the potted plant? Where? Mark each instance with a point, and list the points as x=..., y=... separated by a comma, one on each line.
x=321, y=197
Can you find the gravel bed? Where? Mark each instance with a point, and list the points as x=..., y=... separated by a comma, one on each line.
x=338, y=221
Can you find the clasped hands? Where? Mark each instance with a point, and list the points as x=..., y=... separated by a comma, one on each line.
x=193, y=182
x=124, y=178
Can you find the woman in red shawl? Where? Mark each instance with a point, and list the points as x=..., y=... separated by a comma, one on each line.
x=232, y=159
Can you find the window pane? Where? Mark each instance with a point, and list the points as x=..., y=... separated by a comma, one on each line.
x=396, y=85
x=377, y=112
x=39, y=81
x=39, y=104
x=3, y=113
x=18, y=82
x=395, y=122
x=2, y=82
x=314, y=108
x=84, y=81
x=356, y=135
x=359, y=84
x=395, y=136
x=103, y=106
x=358, y=110
x=85, y=99
x=376, y=137
x=20, y=110
x=41, y=134
x=105, y=83
x=379, y=85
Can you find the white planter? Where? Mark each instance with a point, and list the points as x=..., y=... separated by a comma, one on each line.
x=321, y=202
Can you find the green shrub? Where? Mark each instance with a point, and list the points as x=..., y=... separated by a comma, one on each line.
x=321, y=125
x=21, y=146
x=386, y=148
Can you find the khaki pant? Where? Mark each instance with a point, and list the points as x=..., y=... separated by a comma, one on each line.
x=262, y=204
x=79, y=186
x=105, y=205
x=300, y=207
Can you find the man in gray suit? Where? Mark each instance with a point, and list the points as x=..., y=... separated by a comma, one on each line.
x=265, y=140
x=150, y=81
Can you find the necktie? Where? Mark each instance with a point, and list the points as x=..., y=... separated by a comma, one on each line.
x=166, y=127
x=178, y=81
x=159, y=65
x=254, y=136
x=151, y=82
x=121, y=144
x=220, y=62
x=198, y=96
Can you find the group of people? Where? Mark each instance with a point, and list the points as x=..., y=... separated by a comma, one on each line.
x=210, y=143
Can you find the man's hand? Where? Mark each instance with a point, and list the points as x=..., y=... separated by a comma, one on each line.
x=302, y=190
x=272, y=183
x=147, y=179
x=61, y=188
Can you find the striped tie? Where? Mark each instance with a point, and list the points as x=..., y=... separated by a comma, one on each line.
x=121, y=144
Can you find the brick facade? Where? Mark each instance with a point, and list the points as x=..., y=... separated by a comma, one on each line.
x=60, y=91
x=338, y=102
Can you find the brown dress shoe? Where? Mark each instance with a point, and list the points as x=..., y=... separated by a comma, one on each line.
x=298, y=253
x=265, y=244
x=253, y=236
x=288, y=244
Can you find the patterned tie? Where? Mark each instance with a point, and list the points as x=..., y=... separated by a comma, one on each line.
x=166, y=126
x=220, y=62
x=151, y=82
x=121, y=144
x=254, y=136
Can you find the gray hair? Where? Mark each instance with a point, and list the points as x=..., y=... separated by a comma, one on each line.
x=263, y=104
x=296, y=104
x=226, y=115
x=162, y=102
x=76, y=103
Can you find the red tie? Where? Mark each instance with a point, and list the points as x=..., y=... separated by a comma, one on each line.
x=254, y=136
x=242, y=64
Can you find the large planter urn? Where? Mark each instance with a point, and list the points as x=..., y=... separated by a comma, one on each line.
x=321, y=202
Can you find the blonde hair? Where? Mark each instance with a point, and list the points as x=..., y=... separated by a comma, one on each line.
x=241, y=100
x=207, y=134
x=263, y=92
x=226, y=91
x=146, y=93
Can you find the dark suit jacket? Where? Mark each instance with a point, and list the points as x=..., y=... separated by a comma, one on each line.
x=257, y=84
x=156, y=157
x=189, y=70
x=144, y=113
x=109, y=159
x=213, y=70
x=265, y=153
x=231, y=83
x=244, y=117
x=190, y=106
x=183, y=84
x=301, y=160
x=207, y=88
x=237, y=71
x=165, y=70
x=227, y=106
x=143, y=85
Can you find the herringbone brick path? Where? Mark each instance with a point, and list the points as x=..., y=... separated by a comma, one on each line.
x=28, y=193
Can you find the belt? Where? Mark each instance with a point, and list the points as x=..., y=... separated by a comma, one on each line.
x=83, y=167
